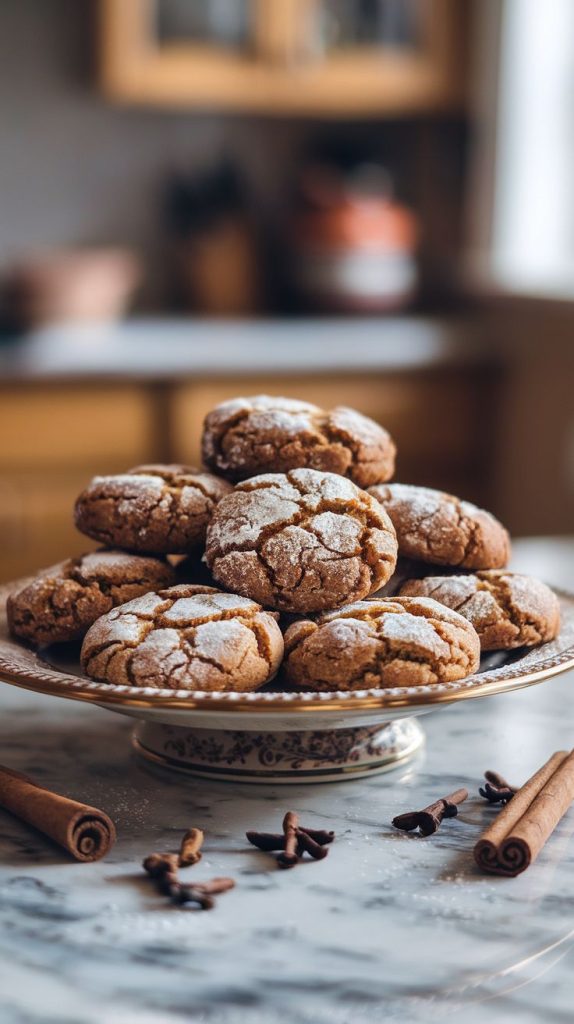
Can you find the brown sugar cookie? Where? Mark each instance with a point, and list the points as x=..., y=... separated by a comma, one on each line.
x=507, y=609
x=300, y=542
x=156, y=509
x=249, y=436
x=185, y=638
x=408, y=569
x=62, y=602
x=381, y=642
x=436, y=527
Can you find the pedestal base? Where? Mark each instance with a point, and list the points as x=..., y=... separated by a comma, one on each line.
x=280, y=757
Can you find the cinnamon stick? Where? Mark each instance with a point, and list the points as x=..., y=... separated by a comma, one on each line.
x=85, y=832
x=521, y=829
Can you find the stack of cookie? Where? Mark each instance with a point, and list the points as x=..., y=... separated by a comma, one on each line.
x=456, y=554
x=298, y=554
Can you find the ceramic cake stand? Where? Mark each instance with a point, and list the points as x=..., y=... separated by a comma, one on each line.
x=277, y=736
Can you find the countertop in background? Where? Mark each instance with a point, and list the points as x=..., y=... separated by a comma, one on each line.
x=387, y=927
x=158, y=349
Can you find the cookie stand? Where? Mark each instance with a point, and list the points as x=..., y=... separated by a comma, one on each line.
x=297, y=744
x=280, y=737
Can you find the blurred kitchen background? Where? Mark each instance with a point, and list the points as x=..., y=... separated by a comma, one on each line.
x=361, y=202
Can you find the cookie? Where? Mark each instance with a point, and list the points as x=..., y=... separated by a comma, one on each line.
x=507, y=609
x=185, y=638
x=300, y=542
x=408, y=569
x=436, y=527
x=404, y=641
x=249, y=436
x=152, y=509
x=62, y=602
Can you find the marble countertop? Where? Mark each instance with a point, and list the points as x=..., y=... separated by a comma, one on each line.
x=387, y=927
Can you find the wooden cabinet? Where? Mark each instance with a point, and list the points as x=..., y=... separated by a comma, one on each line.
x=36, y=518
x=55, y=438
x=286, y=57
x=75, y=424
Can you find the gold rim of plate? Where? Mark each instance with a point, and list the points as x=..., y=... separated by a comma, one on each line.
x=24, y=667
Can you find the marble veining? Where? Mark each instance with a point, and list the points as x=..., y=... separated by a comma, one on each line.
x=388, y=923
x=389, y=927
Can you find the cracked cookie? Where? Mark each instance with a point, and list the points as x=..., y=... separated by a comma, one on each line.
x=62, y=602
x=408, y=569
x=151, y=509
x=401, y=641
x=185, y=638
x=300, y=542
x=507, y=609
x=436, y=527
x=249, y=436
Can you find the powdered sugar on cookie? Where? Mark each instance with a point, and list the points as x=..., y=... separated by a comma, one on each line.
x=157, y=509
x=439, y=528
x=303, y=541
x=185, y=637
x=249, y=436
x=378, y=643
x=507, y=609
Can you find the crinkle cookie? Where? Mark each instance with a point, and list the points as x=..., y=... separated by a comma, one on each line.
x=63, y=602
x=401, y=641
x=185, y=638
x=507, y=609
x=156, y=509
x=436, y=527
x=300, y=542
x=408, y=569
x=249, y=436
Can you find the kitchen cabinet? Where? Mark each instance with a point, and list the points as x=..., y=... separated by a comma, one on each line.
x=342, y=58
x=56, y=437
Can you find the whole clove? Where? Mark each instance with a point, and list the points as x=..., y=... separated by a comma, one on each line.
x=289, y=855
x=190, y=849
x=163, y=869
x=306, y=844
x=270, y=841
x=320, y=835
x=267, y=841
x=159, y=864
x=293, y=842
x=202, y=893
x=428, y=820
x=496, y=789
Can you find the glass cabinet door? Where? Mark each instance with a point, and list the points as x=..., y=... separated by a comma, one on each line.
x=395, y=24
x=221, y=23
